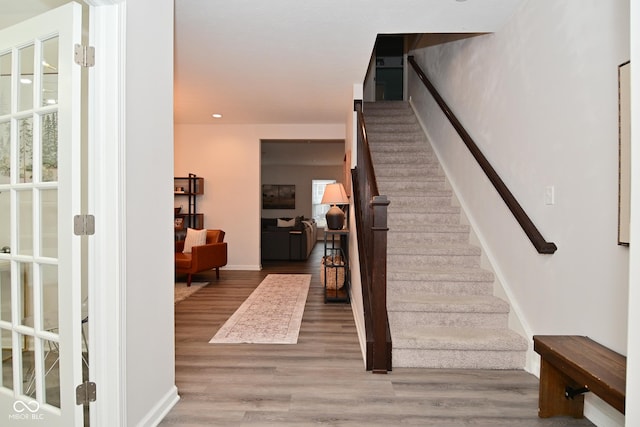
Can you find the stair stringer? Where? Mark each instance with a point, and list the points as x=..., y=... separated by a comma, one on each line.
x=516, y=321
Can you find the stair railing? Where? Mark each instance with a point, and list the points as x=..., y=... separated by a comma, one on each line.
x=371, y=221
x=541, y=245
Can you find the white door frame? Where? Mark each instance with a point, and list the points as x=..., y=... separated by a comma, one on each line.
x=633, y=323
x=107, y=257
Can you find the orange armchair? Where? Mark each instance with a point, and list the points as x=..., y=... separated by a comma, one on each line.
x=213, y=254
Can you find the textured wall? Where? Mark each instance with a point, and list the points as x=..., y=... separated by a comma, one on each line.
x=540, y=97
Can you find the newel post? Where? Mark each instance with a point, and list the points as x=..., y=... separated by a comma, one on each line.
x=379, y=230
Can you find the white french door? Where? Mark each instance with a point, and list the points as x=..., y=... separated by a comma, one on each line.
x=41, y=316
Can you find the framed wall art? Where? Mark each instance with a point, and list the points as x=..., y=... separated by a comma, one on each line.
x=278, y=196
x=624, y=151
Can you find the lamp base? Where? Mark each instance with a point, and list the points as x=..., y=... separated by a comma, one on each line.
x=335, y=218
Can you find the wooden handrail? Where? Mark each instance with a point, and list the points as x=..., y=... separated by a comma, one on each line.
x=541, y=245
x=371, y=222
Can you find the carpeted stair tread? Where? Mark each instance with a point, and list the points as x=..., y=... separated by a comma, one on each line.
x=446, y=287
x=403, y=188
x=384, y=105
x=392, y=128
x=458, y=339
x=442, y=273
x=418, y=209
x=437, y=236
x=430, y=217
x=442, y=193
x=420, y=261
x=395, y=137
x=404, y=219
x=432, y=197
x=428, y=238
x=408, y=180
x=396, y=116
x=408, y=171
x=402, y=248
x=447, y=303
x=416, y=229
x=412, y=203
x=400, y=183
x=383, y=148
x=421, y=256
x=404, y=159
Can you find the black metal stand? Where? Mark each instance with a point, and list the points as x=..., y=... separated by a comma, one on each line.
x=335, y=265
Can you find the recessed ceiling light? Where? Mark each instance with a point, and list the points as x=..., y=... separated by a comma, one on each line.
x=25, y=81
x=216, y=116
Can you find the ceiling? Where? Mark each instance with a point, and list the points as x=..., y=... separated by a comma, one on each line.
x=289, y=62
x=286, y=61
x=292, y=62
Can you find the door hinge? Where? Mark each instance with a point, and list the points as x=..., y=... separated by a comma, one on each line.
x=85, y=56
x=84, y=225
x=86, y=393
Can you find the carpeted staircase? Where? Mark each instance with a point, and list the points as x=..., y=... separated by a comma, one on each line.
x=442, y=312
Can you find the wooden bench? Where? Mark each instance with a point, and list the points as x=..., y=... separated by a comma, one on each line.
x=572, y=365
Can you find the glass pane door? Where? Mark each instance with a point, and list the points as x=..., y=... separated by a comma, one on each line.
x=40, y=262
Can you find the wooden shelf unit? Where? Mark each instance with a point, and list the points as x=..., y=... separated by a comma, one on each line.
x=190, y=187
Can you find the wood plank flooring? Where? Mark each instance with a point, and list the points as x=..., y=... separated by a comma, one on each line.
x=321, y=380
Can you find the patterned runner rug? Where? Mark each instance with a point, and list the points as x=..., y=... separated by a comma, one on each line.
x=271, y=315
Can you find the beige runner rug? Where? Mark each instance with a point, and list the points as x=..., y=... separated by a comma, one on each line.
x=271, y=315
x=182, y=291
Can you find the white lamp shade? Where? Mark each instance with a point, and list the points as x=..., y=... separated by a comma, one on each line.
x=334, y=194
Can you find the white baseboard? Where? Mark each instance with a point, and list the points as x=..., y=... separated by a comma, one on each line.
x=242, y=267
x=601, y=413
x=160, y=409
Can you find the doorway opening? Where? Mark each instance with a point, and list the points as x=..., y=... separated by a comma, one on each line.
x=389, y=67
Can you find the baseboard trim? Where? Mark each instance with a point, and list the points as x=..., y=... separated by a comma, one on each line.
x=601, y=413
x=248, y=267
x=160, y=409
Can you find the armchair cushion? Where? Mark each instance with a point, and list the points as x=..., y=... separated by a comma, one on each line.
x=194, y=238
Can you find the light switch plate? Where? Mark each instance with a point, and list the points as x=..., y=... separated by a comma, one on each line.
x=549, y=195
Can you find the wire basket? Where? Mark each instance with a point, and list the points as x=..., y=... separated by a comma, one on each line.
x=334, y=268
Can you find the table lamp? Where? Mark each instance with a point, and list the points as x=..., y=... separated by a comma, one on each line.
x=334, y=195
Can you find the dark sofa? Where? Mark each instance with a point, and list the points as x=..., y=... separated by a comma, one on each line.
x=293, y=240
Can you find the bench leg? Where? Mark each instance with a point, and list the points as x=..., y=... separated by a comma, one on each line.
x=551, y=400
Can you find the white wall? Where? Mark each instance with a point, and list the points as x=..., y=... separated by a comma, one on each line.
x=540, y=98
x=148, y=202
x=228, y=157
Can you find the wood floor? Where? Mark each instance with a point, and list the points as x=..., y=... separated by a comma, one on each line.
x=321, y=380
